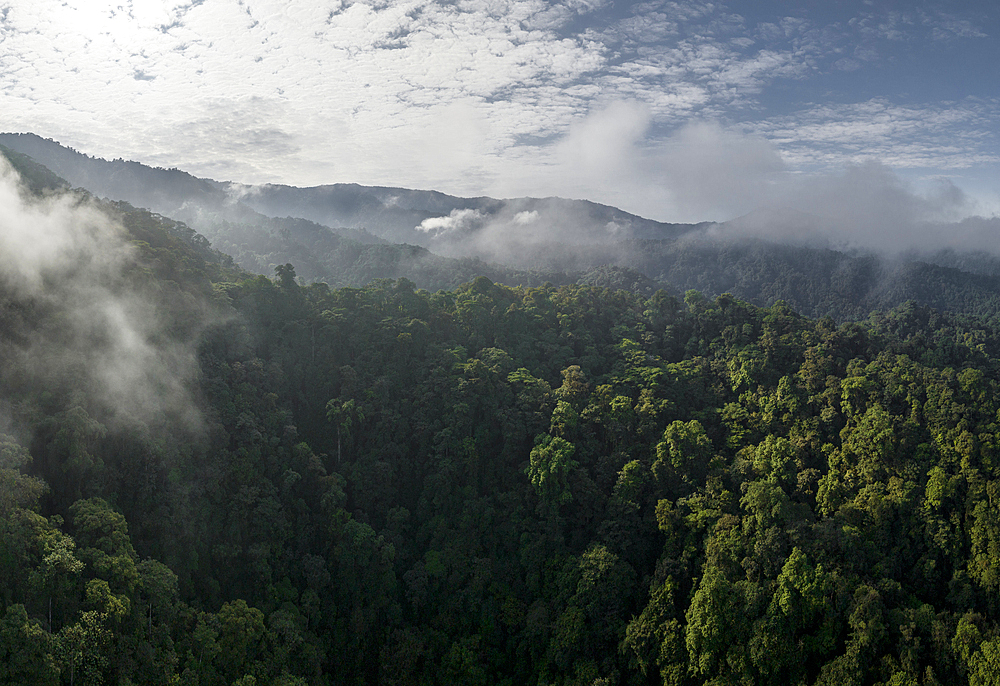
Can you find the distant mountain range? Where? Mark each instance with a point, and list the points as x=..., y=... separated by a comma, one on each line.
x=390, y=213
x=347, y=234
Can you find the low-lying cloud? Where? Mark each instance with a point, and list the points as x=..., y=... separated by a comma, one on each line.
x=82, y=319
x=458, y=222
x=868, y=206
x=705, y=171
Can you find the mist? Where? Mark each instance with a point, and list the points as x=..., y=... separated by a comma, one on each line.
x=704, y=171
x=78, y=313
x=549, y=233
x=699, y=171
x=867, y=206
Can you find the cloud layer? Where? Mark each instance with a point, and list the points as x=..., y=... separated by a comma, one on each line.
x=867, y=206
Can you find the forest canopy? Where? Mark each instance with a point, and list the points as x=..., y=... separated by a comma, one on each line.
x=489, y=484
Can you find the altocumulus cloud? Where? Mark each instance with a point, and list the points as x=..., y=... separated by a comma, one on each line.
x=586, y=99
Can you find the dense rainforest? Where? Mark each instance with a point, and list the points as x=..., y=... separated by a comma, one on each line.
x=564, y=484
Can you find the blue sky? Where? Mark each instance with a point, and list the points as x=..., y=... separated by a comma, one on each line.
x=679, y=111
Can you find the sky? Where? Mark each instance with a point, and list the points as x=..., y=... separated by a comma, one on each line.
x=677, y=111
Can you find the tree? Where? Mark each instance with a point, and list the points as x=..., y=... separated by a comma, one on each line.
x=344, y=414
x=59, y=569
x=286, y=275
x=550, y=464
x=984, y=665
x=26, y=651
x=17, y=489
x=241, y=631
x=103, y=536
x=158, y=585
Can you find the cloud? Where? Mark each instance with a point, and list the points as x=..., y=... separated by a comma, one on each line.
x=945, y=26
x=916, y=24
x=710, y=170
x=956, y=135
x=472, y=97
x=605, y=142
x=69, y=261
x=871, y=198
x=867, y=206
x=701, y=171
x=458, y=222
x=526, y=218
x=704, y=170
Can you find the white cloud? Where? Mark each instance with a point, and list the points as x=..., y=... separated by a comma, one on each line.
x=942, y=136
x=70, y=259
x=525, y=218
x=604, y=143
x=946, y=26
x=868, y=206
x=709, y=170
x=470, y=97
x=457, y=222
x=701, y=171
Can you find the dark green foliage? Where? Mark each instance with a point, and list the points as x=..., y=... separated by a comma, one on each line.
x=619, y=278
x=268, y=226
x=813, y=281
x=819, y=282
x=561, y=484
x=493, y=484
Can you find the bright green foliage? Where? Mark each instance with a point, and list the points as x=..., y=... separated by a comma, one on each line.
x=551, y=463
x=106, y=548
x=984, y=665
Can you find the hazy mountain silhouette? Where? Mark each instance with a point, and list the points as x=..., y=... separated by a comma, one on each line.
x=347, y=234
x=390, y=213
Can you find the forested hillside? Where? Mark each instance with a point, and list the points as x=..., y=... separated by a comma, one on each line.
x=321, y=255
x=213, y=477
x=439, y=241
x=819, y=281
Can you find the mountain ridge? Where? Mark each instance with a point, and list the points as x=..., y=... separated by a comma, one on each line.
x=172, y=190
x=439, y=241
